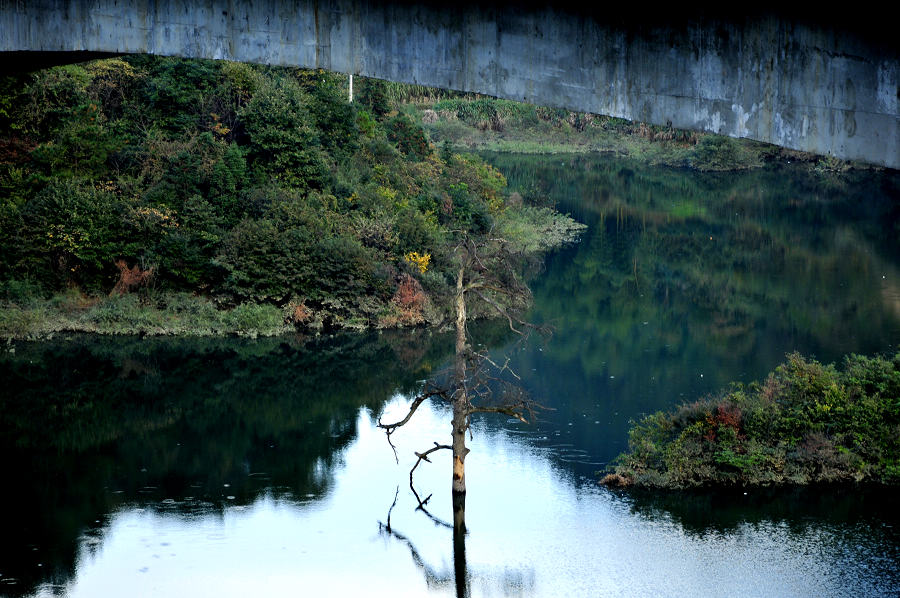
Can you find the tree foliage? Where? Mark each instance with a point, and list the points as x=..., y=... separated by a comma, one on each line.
x=806, y=423
x=240, y=182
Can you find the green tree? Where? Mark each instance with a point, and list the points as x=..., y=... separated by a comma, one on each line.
x=283, y=140
x=409, y=138
x=373, y=95
x=73, y=234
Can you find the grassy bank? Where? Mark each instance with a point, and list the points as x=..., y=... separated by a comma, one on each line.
x=164, y=313
x=806, y=423
x=466, y=121
x=27, y=311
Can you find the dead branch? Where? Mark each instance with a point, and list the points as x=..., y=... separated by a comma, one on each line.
x=391, y=428
x=433, y=578
x=504, y=368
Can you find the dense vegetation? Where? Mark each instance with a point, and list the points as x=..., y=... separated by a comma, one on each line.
x=484, y=123
x=181, y=187
x=806, y=423
x=475, y=122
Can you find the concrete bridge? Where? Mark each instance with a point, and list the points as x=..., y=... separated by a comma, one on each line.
x=830, y=87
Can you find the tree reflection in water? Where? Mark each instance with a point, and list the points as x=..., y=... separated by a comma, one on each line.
x=460, y=578
x=91, y=426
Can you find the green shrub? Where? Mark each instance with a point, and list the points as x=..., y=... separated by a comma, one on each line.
x=23, y=322
x=283, y=140
x=175, y=91
x=366, y=123
x=372, y=94
x=263, y=263
x=807, y=423
x=466, y=211
x=717, y=152
x=20, y=292
x=409, y=138
x=335, y=119
x=73, y=234
x=255, y=319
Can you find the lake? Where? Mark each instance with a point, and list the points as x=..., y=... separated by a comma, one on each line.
x=231, y=467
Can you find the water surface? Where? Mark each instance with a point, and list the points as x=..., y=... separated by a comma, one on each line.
x=229, y=467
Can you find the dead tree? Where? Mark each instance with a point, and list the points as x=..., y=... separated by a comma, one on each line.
x=486, y=272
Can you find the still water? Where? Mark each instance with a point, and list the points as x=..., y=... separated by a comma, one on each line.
x=234, y=467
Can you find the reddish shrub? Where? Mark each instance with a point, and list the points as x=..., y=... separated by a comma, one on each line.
x=130, y=278
x=724, y=416
x=410, y=298
x=300, y=314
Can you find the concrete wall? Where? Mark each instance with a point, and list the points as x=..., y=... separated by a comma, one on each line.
x=826, y=89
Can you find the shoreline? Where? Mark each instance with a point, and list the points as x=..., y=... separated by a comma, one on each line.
x=805, y=424
x=490, y=125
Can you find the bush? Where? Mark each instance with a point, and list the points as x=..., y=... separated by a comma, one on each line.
x=73, y=233
x=20, y=292
x=807, y=423
x=265, y=263
x=409, y=138
x=717, y=152
x=373, y=95
x=283, y=140
x=203, y=165
x=175, y=92
x=466, y=211
x=334, y=118
x=253, y=319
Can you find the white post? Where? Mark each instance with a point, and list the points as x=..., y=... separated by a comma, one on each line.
x=351, y=88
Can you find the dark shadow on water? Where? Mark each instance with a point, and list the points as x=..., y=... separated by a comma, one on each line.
x=726, y=511
x=184, y=427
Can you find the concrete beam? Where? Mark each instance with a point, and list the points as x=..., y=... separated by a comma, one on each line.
x=827, y=88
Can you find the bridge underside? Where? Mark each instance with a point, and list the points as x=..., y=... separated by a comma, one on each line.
x=826, y=88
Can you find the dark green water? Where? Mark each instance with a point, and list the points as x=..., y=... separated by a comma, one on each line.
x=686, y=282
x=230, y=467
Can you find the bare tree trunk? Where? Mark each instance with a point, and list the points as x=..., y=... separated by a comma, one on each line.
x=460, y=400
x=460, y=403
x=461, y=572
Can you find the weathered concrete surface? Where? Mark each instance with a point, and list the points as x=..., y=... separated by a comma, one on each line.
x=826, y=89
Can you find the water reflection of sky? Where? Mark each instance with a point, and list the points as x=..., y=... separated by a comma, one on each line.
x=534, y=531
x=233, y=468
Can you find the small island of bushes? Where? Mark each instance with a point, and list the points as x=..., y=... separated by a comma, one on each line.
x=806, y=423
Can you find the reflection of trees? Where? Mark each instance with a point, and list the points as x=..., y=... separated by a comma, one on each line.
x=461, y=577
x=680, y=269
x=705, y=277
x=725, y=511
x=732, y=253
x=434, y=578
x=90, y=424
